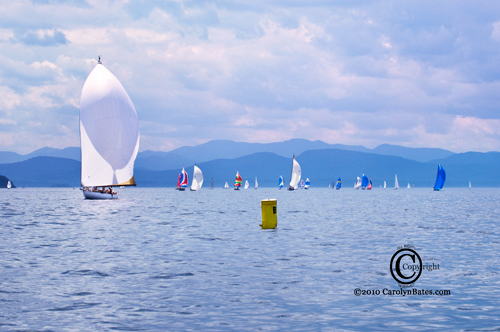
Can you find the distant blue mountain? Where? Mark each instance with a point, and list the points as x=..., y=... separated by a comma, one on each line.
x=3, y=182
x=320, y=166
x=43, y=172
x=417, y=154
x=224, y=149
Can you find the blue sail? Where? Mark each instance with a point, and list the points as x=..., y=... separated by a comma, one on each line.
x=339, y=183
x=364, y=182
x=280, y=184
x=440, y=178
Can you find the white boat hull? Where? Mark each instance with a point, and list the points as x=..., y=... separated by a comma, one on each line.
x=98, y=195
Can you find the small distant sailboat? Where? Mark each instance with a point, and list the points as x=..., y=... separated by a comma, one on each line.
x=339, y=184
x=109, y=135
x=408, y=185
x=256, y=183
x=469, y=185
x=364, y=182
x=197, y=179
x=385, y=184
x=302, y=184
x=247, y=185
x=296, y=174
x=307, y=184
x=9, y=185
x=440, y=178
x=226, y=186
x=183, y=180
x=396, y=184
x=358, y=183
x=280, y=183
x=238, y=181
x=212, y=184
x=370, y=185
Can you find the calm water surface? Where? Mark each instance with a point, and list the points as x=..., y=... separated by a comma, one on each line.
x=158, y=259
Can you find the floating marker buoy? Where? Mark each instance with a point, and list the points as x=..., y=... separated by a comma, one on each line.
x=269, y=214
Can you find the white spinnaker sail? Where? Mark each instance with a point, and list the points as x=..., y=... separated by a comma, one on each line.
x=296, y=174
x=9, y=185
x=197, y=178
x=247, y=184
x=109, y=131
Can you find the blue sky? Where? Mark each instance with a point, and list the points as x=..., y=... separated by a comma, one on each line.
x=412, y=73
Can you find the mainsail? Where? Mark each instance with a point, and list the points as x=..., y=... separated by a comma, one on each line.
x=256, y=183
x=296, y=174
x=396, y=184
x=440, y=178
x=109, y=131
x=197, y=179
x=247, y=184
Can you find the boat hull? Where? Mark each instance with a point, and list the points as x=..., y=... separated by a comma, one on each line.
x=98, y=195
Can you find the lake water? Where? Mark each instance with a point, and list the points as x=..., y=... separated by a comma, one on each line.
x=158, y=259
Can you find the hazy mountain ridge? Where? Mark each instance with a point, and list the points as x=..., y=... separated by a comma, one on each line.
x=320, y=166
x=225, y=149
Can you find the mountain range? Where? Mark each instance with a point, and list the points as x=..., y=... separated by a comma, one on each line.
x=320, y=162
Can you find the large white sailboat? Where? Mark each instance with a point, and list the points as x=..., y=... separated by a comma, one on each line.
x=109, y=134
x=197, y=179
x=296, y=175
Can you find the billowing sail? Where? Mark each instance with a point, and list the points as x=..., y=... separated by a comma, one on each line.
x=307, y=184
x=109, y=131
x=339, y=184
x=238, y=181
x=370, y=185
x=440, y=178
x=358, y=183
x=197, y=179
x=280, y=183
x=296, y=175
x=364, y=182
x=184, y=179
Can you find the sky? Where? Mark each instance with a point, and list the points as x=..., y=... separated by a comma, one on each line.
x=358, y=72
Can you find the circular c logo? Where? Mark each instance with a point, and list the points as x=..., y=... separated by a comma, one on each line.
x=396, y=265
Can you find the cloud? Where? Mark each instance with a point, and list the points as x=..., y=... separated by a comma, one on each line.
x=352, y=72
x=43, y=38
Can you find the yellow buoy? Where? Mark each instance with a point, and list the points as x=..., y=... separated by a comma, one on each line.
x=269, y=214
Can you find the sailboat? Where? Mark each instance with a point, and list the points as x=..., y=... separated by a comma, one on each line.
x=408, y=185
x=370, y=185
x=256, y=183
x=385, y=184
x=247, y=184
x=302, y=184
x=109, y=135
x=9, y=185
x=238, y=181
x=308, y=184
x=280, y=183
x=226, y=186
x=183, y=180
x=396, y=184
x=339, y=184
x=296, y=174
x=212, y=184
x=440, y=178
x=358, y=183
x=197, y=179
x=364, y=182
x=469, y=185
